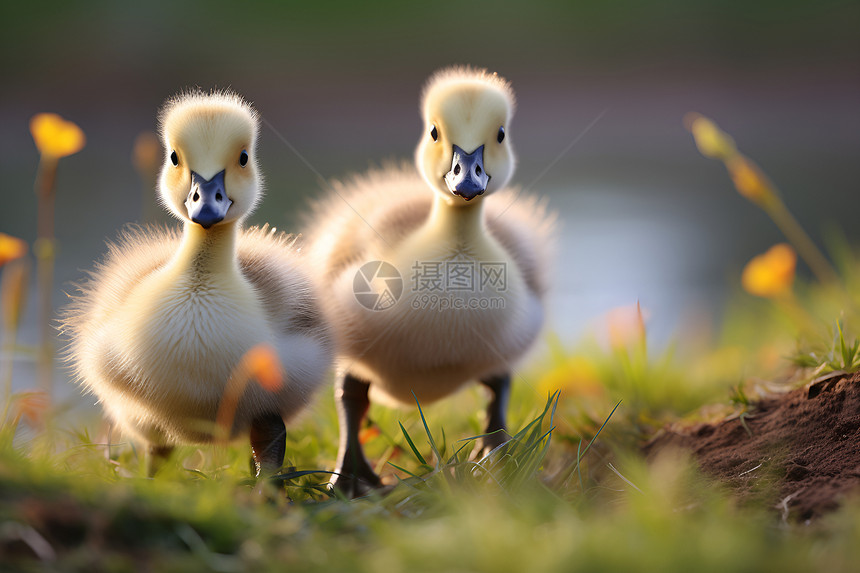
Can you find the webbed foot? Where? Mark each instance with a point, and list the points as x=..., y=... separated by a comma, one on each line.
x=268, y=444
x=496, y=432
x=157, y=456
x=354, y=475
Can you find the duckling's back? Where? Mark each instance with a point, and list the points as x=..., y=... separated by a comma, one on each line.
x=364, y=214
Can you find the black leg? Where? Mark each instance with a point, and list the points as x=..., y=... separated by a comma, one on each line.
x=354, y=476
x=156, y=456
x=268, y=443
x=497, y=411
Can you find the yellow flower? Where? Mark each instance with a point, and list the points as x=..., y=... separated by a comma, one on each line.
x=11, y=248
x=56, y=137
x=749, y=180
x=577, y=376
x=710, y=139
x=771, y=274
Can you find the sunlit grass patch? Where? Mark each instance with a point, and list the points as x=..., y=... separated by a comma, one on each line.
x=658, y=517
x=840, y=356
x=654, y=386
x=202, y=503
x=506, y=470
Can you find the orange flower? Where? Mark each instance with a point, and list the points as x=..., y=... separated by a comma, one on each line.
x=749, y=180
x=771, y=274
x=626, y=326
x=56, y=137
x=11, y=248
x=146, y=155
x=32, y=407
x=262, y=363
x=368, y=434
x=710, y=139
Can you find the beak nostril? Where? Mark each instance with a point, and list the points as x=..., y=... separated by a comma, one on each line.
x=467, y=177
x=207, y=202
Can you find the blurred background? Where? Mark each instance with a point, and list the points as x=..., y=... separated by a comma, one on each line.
x=602, y=89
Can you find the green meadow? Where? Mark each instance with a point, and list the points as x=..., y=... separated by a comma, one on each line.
x=752, y=203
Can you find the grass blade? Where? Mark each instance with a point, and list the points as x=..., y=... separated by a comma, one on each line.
x=427, y=429
x=581, y=454
x=407, y=472
x=412, y=445
x=297, y=474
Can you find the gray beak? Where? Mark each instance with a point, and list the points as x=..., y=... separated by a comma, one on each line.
x=207, y=202
x=467, y=177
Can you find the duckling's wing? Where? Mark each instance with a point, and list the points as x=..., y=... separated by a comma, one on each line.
x=524, y=227
x=365, y=214
x=270, y=261
x=137, y=253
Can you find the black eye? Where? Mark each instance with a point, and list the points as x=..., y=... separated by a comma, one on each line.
x=174, y=158
x=501, y=136
x=243, y=158
x=434, y=133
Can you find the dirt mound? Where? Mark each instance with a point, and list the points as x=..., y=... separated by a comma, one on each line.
x=799, y=451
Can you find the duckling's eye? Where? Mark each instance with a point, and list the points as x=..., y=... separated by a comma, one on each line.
x=243, y=158
x=174, y=158
x=434, y=133
x=501, y=136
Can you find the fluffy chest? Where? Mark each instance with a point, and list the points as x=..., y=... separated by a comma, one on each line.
x=187, y=333
x=458, y=274
x=445, y=302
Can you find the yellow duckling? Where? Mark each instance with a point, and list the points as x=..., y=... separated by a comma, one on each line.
x=164, y=320
x=427, y=280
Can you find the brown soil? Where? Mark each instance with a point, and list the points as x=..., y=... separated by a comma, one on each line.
x=801, y=451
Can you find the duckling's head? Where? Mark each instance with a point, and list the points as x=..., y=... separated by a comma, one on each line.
x=465, y=151
x=210, y=175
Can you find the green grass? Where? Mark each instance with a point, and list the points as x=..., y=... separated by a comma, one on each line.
x=528, y=506
x=840, y=356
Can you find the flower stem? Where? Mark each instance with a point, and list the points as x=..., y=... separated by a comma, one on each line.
x=807, y=250
x=9, y=343
x=44, y=251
